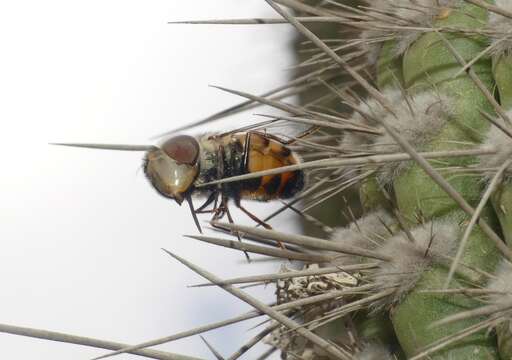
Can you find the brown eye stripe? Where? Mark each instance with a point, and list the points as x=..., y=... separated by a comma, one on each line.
x=184, y=149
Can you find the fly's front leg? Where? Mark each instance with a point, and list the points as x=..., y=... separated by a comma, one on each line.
x=211, y=198
x=221, y=173
x=193, y=212
x=219, y=211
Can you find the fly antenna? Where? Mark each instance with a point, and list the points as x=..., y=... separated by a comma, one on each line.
x=119, y=147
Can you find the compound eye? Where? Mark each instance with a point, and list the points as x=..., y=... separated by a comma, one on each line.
x=183, y=149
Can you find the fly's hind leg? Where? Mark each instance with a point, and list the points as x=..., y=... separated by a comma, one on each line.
x=257, y=220
x=313, y=129
x=252, y=216
x=230, y=219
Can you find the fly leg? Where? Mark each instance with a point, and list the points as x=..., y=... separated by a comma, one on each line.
x=311, y=130
x=224, y=204
x=256, y=219
x=224, y=191
x=252, y=216
x=211, y=198
x=307, y=132
x=218, y=210
x=193, y=212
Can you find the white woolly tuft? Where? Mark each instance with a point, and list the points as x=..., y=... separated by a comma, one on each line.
x=503, y=144
x=369, y=109
x=432, y=242
x=500, y=26
x=414, y=13
x=418, y=13
x=366, y=233
x=502, y=283
x=354, y=142
x=374, y=352
x=372, y=41
x=419, y=117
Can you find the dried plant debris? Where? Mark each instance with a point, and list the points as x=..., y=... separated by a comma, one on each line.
x=291, y=346
x=305, y=286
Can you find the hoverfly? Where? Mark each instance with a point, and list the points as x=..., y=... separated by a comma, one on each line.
x=180, y=165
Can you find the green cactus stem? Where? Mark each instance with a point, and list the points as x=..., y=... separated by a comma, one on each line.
x=502, y=198
x=429, y=63
x=389, y=67
x=379, y=327
x=389, y=75
x=502, y=201
x=413, y=317
x=502, y=69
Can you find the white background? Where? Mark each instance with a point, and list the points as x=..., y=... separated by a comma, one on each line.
x=81, y=230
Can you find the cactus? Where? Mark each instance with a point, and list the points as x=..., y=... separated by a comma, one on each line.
x=436, y=66
x=418, y=121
